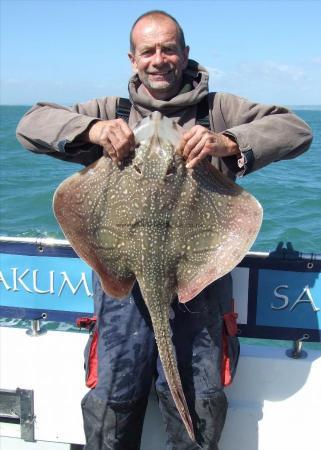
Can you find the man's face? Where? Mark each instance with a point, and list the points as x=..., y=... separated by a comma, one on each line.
x=158, y=58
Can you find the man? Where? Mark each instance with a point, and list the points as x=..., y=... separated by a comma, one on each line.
x=244, y=137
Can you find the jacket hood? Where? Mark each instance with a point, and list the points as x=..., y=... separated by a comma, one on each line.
x=194, y=88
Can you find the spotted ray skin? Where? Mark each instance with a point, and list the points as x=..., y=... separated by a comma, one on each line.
x=173, y=229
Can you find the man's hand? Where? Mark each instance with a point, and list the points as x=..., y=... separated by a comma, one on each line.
x=115, y=136
x=199, y=142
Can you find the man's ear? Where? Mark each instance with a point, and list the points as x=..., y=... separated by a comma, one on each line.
x=186, y=54
x=133, y=61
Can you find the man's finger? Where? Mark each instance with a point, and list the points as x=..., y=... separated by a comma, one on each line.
x=128, y=133
x=194, y=146
x=185, y=138
x=194, y=162
x=120, y=142
x=202, y=155
x=109, y=150
x=196, y=150
x=199, y=134
x=196, y=129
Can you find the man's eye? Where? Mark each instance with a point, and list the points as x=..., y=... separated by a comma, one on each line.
x=169, y=51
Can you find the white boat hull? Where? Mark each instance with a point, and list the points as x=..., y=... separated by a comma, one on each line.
x=275, y=401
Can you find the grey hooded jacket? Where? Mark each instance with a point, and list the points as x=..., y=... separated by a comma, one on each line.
x=264, y=133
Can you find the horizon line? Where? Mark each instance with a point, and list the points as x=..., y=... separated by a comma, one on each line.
x=291, y=106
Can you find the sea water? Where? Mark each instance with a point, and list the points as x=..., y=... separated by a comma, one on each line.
x=289, y=191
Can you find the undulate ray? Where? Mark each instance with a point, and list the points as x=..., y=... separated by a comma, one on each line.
x=175, y=230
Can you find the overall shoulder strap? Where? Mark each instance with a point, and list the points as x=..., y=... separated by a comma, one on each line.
x=204, y=111
x=208, y=116
x=202, y=114
x=123, y=109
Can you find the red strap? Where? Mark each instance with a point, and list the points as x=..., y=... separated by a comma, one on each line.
x=230, y=323
x=85, y=322
x=229, y=329
x=226, y=376
x=92, y=369
x=92, y=376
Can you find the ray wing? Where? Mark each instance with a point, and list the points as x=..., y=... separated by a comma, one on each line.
x=86, y=206
x=221, y=223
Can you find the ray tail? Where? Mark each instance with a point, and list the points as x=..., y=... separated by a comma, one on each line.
x=159, y=313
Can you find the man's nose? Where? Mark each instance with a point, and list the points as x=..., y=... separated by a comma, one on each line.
x=159, y=57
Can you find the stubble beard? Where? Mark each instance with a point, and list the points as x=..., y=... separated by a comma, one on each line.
x=169, y=84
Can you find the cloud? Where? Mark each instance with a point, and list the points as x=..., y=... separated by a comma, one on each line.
x=316, y=60
x=264, y=71
x=269, y=81
x=272, y=71
x=215, y=73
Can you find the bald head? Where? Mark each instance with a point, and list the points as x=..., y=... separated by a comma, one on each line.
x=156, y=16
x=159, y=55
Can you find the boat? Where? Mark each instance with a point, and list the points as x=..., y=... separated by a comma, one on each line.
x=274, y=400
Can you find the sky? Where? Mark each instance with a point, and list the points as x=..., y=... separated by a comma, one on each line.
x=68, y=51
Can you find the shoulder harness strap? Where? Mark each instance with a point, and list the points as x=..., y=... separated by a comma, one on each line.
x=203, y=111
x=202, y=116
x=123, y=109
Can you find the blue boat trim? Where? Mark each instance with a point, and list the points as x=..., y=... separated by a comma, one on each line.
x=297, y=265
x=279, y=333
x=69, y=317
x=282, y=300
x=40, y=249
